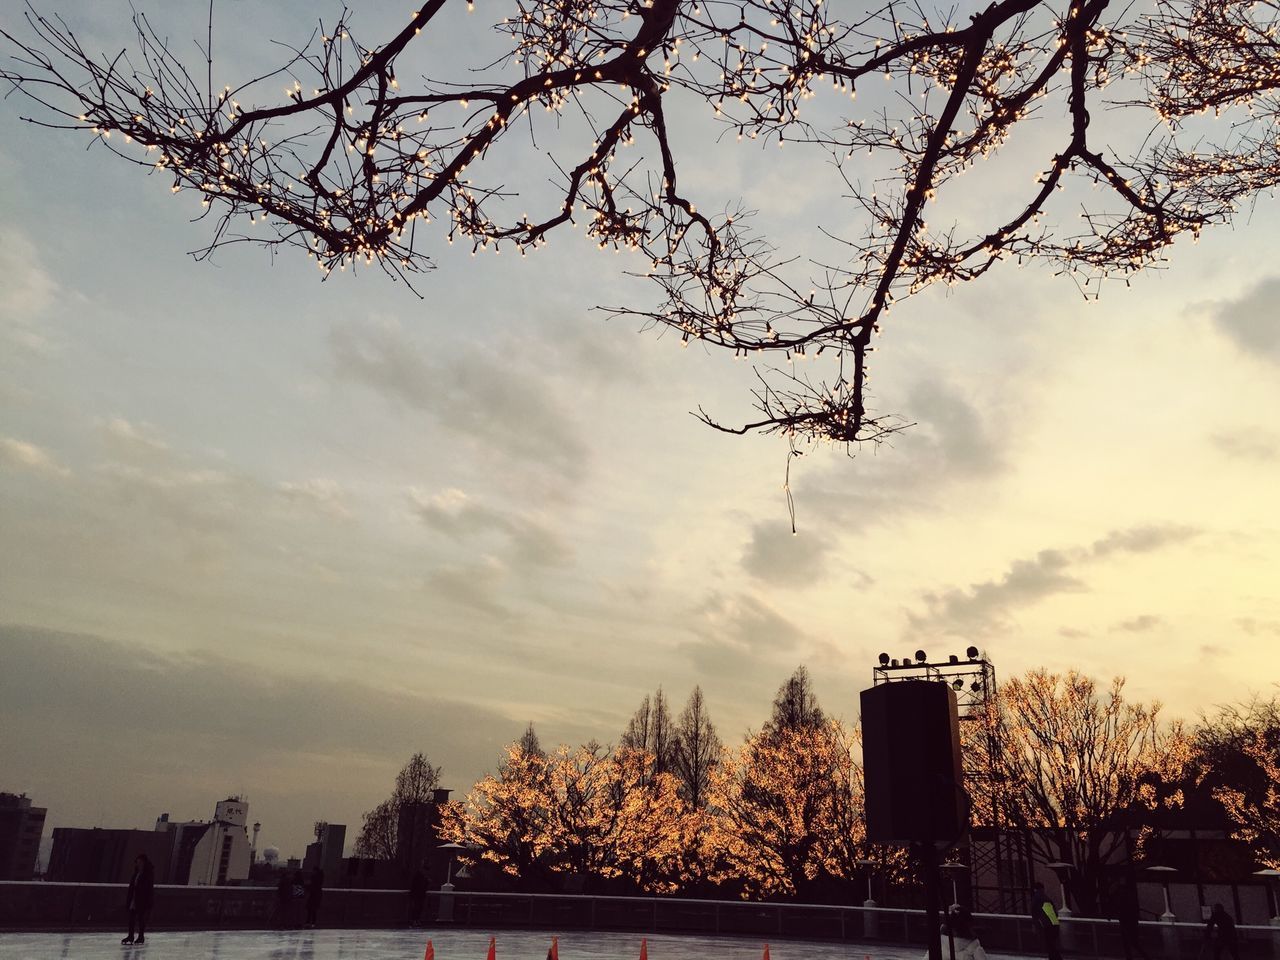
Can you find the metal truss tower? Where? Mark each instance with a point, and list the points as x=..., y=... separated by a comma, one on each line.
x=998, y=855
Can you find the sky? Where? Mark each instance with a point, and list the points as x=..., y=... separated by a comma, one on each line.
x=266, y=535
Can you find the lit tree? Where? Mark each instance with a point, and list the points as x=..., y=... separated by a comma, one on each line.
x=1082, y=767
x=354, y=170
x=508, y=816
x=789, y=811
x=789, y=804
x=612, y=817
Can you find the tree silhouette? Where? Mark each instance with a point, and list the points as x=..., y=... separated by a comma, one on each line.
x=650, y=730
x=697, y=750
x=1237, y=759
x=1081, y=768
x=394, y=828
x=354, y=170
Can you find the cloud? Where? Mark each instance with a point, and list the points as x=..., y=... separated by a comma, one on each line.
x=124, y=722
x=1257, y=628
x=476, y=586
x=949, y=444
x=327, y=496
x=1141, y=623
x=986, y=607
x=457, y=516
x=1143, y=539
x=27, y=292
x=778, y=556
x=739, y=634
x=1260, y=446
x=1251, y=321
x=486, y=398
x=132, y=437
x=28, y=456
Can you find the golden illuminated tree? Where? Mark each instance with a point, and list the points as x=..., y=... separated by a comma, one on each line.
x=611, y=817
x=352, y=169
x=506, y=817
x=584, y=811
x=789, y=804
x=1082, y=768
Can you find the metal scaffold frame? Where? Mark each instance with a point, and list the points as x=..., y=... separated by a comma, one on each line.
x=998, y=855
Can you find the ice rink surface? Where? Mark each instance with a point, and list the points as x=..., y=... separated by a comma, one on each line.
x=410, y=945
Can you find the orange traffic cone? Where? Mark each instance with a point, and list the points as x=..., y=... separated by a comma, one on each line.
x=431, y=952
x=493, y=949
x=553, y=952
x=766, y=952
x=644, y=948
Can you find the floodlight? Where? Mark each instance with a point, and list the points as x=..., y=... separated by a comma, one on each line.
x=884, y=659
x=972, y=653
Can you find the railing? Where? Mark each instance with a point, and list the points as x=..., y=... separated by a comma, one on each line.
x=70, y=906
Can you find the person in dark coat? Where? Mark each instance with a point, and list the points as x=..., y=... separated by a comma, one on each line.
x=315, y=890
x=1045, y=915
x=1220, y=922
x=284, y=891
x=417, y=896
x=1126, y=912
x=138, y=900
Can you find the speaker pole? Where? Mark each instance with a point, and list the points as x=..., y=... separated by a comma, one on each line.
x=928, y=854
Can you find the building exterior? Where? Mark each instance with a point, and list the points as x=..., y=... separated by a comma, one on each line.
x=209, y=852
x=21, y=826
x=326, y=852
x=104, y=856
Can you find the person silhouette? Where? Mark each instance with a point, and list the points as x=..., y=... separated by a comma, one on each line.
x=1045, y=916
x=1220, y=922
x=139, y=898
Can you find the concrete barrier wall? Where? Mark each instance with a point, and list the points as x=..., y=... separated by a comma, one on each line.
x=72, y=906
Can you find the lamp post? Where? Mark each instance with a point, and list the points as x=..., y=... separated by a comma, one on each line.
x=1268, y=877
x=445, y=913
x=867, y=865
x=953, y=872
x=870, y=921
x=1168, y=915
x=1060, y=870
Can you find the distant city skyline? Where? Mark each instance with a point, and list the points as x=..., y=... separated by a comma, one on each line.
x=269, y=536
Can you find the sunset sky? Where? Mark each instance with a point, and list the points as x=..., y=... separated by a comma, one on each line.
x=266, y=535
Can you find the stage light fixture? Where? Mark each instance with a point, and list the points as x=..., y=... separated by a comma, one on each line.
x=920, y=656
x=884, y=659
x=972, y=653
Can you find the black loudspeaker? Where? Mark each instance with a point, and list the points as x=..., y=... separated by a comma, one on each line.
x=911, y=762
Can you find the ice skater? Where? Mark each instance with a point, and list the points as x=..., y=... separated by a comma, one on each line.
x=1045, y=916
x=315, y=890
x=1127, y=915
x=138, y=900
x=418, y=896
x=1220, y=922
